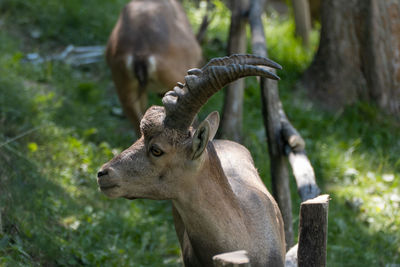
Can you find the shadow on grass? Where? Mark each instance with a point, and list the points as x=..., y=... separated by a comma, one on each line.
x=52, y=212
x=32, y=208
x=51, y=221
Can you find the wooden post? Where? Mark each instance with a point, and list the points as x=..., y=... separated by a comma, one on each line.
x=232, y=115
x=313, y=229
x=271, y=106
x=302, y=17
x=232, y=259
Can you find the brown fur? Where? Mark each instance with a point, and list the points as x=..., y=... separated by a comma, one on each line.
x=219, y=202
x=147, y=32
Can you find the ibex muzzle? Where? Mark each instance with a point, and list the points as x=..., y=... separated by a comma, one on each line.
x=220, y=204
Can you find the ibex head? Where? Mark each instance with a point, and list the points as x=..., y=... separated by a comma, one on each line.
x=169, y=151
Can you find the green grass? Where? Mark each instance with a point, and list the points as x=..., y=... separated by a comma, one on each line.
x=52, y=212
x=57, y=128
x=63, y=21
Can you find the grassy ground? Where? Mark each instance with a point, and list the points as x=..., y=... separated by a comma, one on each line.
x=56, y=129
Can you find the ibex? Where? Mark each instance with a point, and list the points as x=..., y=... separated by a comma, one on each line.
x=150, y=48
x=220, y=204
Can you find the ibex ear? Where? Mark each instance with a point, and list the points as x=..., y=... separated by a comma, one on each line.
x=200, y=139
x=213, y=120
x=204, y=133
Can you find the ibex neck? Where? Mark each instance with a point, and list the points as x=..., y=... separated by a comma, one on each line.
x=210, y=211
x=208, y=185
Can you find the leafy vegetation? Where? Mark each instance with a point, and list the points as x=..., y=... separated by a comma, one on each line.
x=57, y=128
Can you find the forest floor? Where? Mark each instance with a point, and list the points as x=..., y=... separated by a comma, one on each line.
x=57, y=127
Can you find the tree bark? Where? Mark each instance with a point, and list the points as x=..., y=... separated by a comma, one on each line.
x=271, y=107
x=302, y=17
x=232, y=116
x=359, y=54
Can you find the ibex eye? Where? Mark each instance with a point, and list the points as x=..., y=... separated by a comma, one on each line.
x=156, y=151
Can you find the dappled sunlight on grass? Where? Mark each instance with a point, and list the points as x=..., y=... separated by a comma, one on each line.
x=52, y=211
x=356, y=162
x=285, y=47
x=64, y=21
x=57, y=128
x=372, y=199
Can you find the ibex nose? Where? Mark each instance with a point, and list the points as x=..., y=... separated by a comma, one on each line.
x=101, y=173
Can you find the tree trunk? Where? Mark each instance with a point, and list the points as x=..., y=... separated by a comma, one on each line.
x=232, y=117
x=272, y=109
x=301, y=9
x=315, y=10
x=359, y=54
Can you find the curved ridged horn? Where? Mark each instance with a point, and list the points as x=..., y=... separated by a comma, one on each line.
x=183, y=103
x=242, y=59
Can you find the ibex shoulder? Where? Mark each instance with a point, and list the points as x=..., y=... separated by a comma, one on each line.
x=226, y=146
x=238, y=166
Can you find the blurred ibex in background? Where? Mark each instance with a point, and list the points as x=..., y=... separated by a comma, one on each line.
x=150, y=48
x=220, y=204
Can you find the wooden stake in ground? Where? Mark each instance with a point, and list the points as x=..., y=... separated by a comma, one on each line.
x=313, y=229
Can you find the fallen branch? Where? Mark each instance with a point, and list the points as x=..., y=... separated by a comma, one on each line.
x=73, y=55
x=304, y=175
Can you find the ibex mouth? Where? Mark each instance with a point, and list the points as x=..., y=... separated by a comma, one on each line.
x=131, y=198
x=107, y=187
